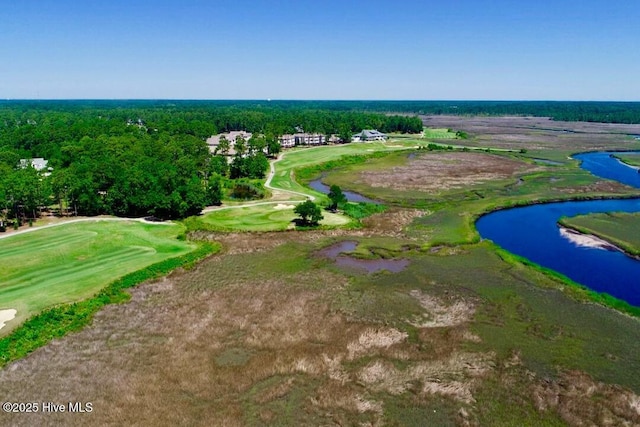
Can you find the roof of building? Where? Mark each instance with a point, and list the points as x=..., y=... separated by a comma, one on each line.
x=372, y=133
x=229, y=136
x=38, y=163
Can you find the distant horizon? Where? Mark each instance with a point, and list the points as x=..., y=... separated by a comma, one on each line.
x=320, y=100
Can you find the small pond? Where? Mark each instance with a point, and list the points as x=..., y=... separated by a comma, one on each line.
x=337, y=253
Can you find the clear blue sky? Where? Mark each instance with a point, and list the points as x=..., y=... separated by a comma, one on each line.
x=303, y=49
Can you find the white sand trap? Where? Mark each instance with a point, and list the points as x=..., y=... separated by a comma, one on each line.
x=586, y=240
x=280, y=207
x=6, y=315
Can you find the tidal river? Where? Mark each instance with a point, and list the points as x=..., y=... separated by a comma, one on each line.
x=532, y=232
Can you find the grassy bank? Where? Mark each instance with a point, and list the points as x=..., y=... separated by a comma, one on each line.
x=58, y=321
x=620, y=229
x=285, y=176
x=630, y=159
x=266, y=217
x=71, y=262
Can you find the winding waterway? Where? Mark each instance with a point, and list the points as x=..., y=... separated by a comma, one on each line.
x=532, y=232
x=318, y=185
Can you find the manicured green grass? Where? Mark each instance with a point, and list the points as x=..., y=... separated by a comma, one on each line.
x=434, y=133
x=72, y=262
x=621, y=229
x=284, y=177
x=630, y=159
x=268, y=217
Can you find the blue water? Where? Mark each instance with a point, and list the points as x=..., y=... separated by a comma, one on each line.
x=350, y=195
x=532, y=232
x=602, y=164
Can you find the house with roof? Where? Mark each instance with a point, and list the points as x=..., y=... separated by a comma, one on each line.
x=309, y=139
x=214, y=141
x=287, y=141
x=291, y=140
x=38, y=163
x=368, y=135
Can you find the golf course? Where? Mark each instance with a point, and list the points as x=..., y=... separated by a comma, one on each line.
x=71, y=262
x=399, y=314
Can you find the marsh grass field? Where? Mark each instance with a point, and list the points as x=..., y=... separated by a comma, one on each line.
x=270, y=332
x=74, y=261
x=630, y=159
x=620, y=229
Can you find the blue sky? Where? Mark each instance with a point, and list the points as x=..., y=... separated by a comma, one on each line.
x=225, y=49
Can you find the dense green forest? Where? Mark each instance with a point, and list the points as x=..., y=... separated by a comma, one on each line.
x=136, y=158
x=146, y=157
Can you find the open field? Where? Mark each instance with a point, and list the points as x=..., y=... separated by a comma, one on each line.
x=630, y=159
x=434, y=133
x=284, y=177
x=71, y=262
x=456, y=181
x=536, y=133
x=620, y=229
x=460, y=337
x=269, y=332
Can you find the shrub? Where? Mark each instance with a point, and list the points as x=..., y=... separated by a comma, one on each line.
x=246, y=190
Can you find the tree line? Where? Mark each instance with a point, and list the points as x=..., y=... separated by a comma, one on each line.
x=148, y=158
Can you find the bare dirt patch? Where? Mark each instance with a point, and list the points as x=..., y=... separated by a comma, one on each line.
x=435, y=172
x=281, y=206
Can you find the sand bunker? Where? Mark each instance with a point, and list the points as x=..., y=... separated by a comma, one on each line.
x=586, y=240
x=281, y=206
x=6, y=315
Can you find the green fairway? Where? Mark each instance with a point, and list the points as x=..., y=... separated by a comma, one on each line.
x=434, y=133
x=621, y=229
x=267, y=217
x=284, y=177
x=71, y=262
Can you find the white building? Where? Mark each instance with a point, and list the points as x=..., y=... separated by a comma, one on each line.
x=214, y=141
x=38, y=163
x=287, y=141
x=369, y=135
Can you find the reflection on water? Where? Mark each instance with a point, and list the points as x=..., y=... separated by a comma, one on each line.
x=337, y=253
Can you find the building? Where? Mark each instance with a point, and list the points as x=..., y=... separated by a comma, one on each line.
x=335, y=139
x=309, y=139
x=287, y=141
x=214, y=141
x=38, y=163
x=368, y=135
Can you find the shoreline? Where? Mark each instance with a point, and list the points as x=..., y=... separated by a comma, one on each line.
x=585, y=239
